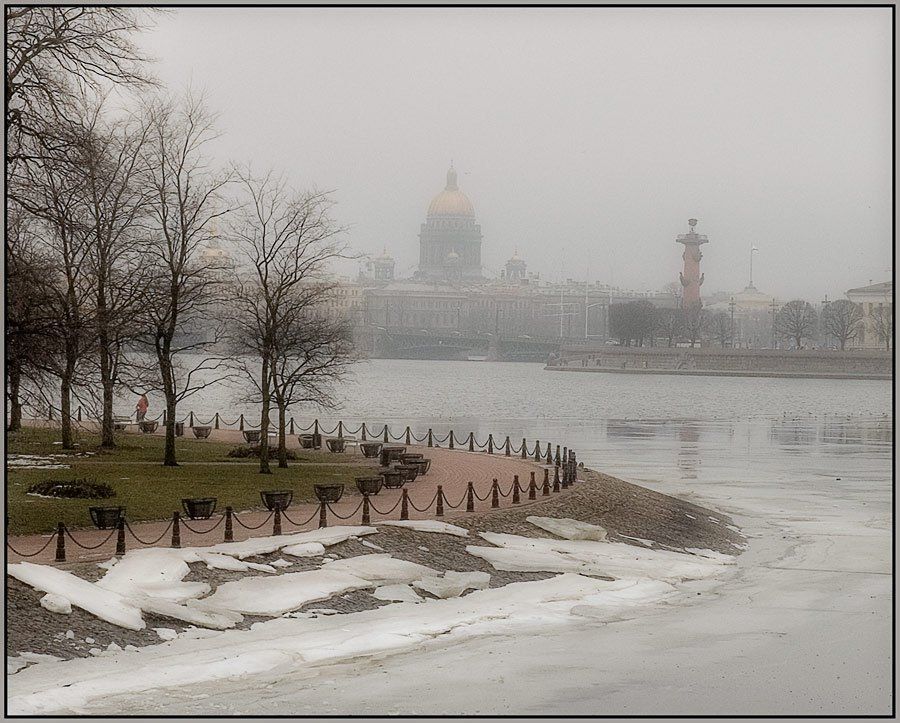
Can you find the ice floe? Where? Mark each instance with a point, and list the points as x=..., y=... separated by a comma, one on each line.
x=427, y=526
x=568, y=528
x=453, y=583
x=397, y=593
x=56, y=603
x=380, y=569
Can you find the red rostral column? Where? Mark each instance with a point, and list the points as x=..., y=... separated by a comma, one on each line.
x=691, y=278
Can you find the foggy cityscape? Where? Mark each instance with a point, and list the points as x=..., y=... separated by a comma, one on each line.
x=449, y=361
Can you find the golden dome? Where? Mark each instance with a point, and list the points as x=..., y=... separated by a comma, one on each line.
x=451, y=201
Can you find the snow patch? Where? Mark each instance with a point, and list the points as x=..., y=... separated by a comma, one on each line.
x=428, y=526
x=56, y=603
x=569, y=529
x=397, y=593
x=380, y=569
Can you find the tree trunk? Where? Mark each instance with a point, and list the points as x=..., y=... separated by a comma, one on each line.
x=843, y=344
x=282, y=446
x=165, y=368
x=65, y=404
x=107, y=437
x=15, y=403
x=264, y=419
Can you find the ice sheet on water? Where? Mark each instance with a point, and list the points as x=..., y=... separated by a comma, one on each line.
x=285, y=644
x=105, y=604
x=428, y=526
x=588, y=557
x=568, y=528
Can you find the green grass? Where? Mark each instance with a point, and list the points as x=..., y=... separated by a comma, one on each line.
x=151, y=491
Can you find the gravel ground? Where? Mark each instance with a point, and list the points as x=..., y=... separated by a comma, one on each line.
x=629, y=513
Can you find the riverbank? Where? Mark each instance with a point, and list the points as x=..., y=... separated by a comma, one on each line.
x=719, y=373
x=631, y=515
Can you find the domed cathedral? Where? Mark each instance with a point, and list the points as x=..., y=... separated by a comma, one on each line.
x=450, y=240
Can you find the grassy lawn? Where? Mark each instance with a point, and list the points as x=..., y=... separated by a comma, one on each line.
x=151, y=491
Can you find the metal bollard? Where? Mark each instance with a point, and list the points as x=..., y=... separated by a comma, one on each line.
x=532, y=488
x=545, y=488
x=490, y=446
x=385, y=434
x=191, y=416
x=495, y=494
x=451, y=439
x=340, y=430
x=524, y=448
x=404, y=505
x=537, y=450
x=549, y=454
x=516, y=489
x=229, y=525
x=407, y=436
x=439, y=508
x=323, y=515
x=241, y=423
x=507, y=446
x=276, y=525
x=471, y=441
x=430, y=440
x=120, y=537
x=365, y=510
x=558, y=458
x=291, y=432
x=60, y=542
x=470, y=498
x=217, y=420
x=556, y=479
x=363, y=426
x=176, y=530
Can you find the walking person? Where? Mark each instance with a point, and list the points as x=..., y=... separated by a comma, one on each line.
x=141, y=408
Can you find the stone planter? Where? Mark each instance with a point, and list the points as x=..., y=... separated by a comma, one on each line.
x=276, y=499
x=410, y=457
x=369, y=485
x=423, y=464
x=335, y=445
x=307, y=441
x=329, y=493
x=409, y=471
x=148, y=426
x=390, y=454
x=202, y=432
x=251, y=436
x=106, y=518
x=199, y=508
x=370, y=449
x=393, y=479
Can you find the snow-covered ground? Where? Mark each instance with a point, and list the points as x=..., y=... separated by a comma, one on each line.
x=800, y=625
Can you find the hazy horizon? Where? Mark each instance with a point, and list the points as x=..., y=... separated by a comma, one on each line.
x=585, y=138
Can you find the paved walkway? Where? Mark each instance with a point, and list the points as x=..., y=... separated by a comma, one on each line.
x=451, y=469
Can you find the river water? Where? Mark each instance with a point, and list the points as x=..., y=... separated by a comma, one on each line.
x=803, y=626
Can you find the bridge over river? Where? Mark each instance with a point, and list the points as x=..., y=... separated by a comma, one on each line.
x=400, y=343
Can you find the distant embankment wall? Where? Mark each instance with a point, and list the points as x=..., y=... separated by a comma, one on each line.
x=826, y=364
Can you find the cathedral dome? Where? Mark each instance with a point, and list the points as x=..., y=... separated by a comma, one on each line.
x=451, y=201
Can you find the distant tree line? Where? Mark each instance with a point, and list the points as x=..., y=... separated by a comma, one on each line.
x=110, y=215
x=797, y=324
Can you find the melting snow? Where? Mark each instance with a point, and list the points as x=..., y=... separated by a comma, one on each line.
x=380, y=569
x=56, y=603
x=397, y=593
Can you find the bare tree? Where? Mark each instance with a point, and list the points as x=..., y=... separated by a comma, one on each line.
x=695, y=321
x=842, y=319
x=183, y=287
x=882, y=317
x=670, y=323
x=109, y=156
x=287, y=238
x=720, y=328
x=796, y=320
x=313, y=352
x=634, y=321
x=53, y=53
x=28, y=320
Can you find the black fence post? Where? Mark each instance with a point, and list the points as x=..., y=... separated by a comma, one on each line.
x=558, y=458
x=276, y=526
x=507, y=446
x=549, y=454
x=191, y=422
x=524, y=448
x=451, y=439
x=176, y=530
x=385, y=434
x=407, y=435
x=490, y=446
x=556, y=479
x=516, y=489
x=471, y=441
x=545, y=488
x=470, y=498
x=495, y=494
x=291, y=432
x=340, y=430
x=241, y=423
x=323, y=515
x=60, y=542
x=217, y=420
x=363, y=429
x=537, y=450
x=430, y=439
x=404, y=505
x=120, y=537
x=532, y=488
x=439, y=509
x=365, y=510
x=229, y=525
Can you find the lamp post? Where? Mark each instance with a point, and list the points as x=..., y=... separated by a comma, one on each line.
x=774, y=309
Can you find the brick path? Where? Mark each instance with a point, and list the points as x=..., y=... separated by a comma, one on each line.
x=452, y=469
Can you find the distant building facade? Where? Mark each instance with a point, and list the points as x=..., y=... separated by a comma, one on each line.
x=877, y=301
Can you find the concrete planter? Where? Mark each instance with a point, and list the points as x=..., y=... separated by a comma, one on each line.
x=202, y=432
x=106, y=518
x=276, y=499
x=199, y=508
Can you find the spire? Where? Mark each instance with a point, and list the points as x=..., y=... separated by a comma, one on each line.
x=451, y=178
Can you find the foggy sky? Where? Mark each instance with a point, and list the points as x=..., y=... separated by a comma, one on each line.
x=585, y=138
